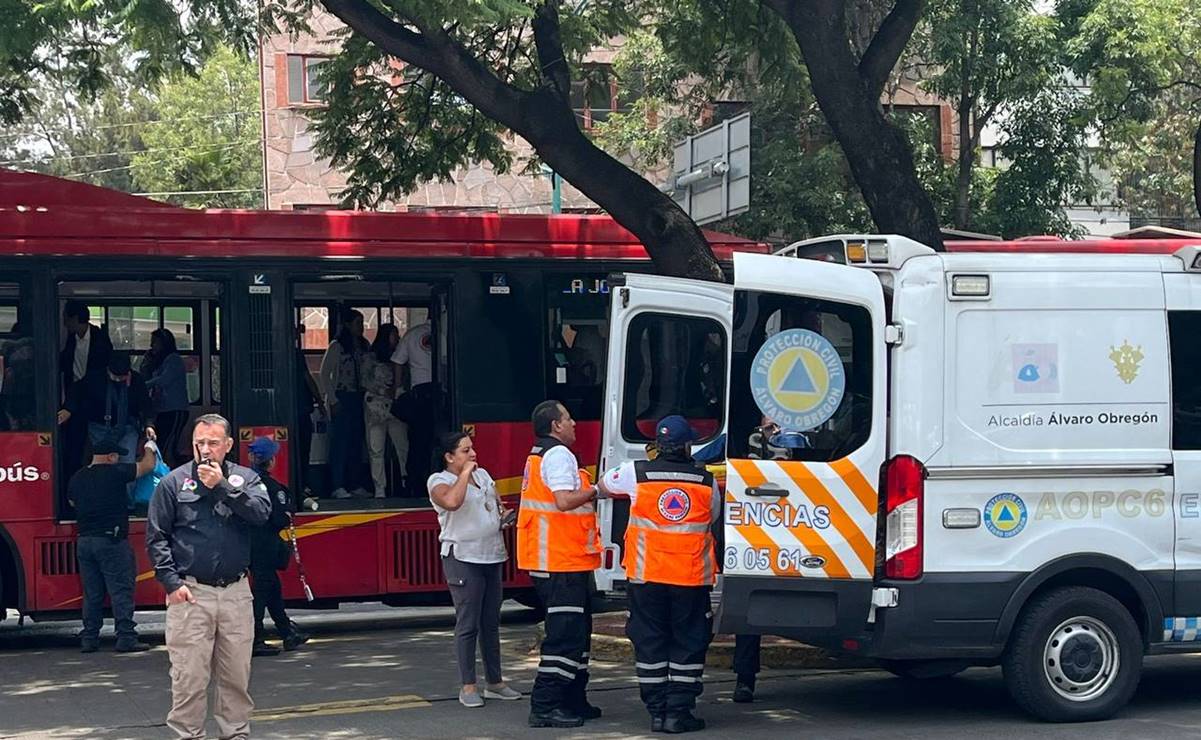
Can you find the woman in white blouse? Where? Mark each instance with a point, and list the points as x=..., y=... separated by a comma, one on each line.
x=470, y=515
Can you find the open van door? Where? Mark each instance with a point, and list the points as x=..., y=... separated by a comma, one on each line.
x=668, y=353
x=805, y=446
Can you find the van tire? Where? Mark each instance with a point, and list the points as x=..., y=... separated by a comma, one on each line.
x=924, y=670
x=1100, y=637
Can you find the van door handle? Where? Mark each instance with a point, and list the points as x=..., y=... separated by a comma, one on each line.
x=768, y=489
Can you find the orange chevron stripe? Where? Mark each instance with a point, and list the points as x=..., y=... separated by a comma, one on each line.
x=859, y=485
x=821, y=496
x=810, y=538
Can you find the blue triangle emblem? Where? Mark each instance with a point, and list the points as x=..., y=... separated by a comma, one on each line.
x=1006, y=514
x=798, y=379
x=674, y=504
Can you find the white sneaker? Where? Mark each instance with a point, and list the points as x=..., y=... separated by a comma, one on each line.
x=381, y=494
x=361, y=493
x=340, y=493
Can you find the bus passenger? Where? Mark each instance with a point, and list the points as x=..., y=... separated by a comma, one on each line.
x=167, y=381
x=342, y=386
x=86, y=352
x=380, y=378
x=418, y=406
x=471, y=516
x=16, y=388
x=113, y=406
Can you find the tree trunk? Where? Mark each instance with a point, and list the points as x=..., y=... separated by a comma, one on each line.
x=963, y=178
x=878, y=152
x=544, y=118
x=967, y=142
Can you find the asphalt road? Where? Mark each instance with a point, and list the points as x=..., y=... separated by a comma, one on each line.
x=373, y=672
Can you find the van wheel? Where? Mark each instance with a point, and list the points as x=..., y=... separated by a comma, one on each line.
x=1075, y=655
x=924, y=669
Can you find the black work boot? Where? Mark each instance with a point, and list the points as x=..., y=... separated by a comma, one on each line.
x=744, y=693
x=557, y=717
x=681, y=723
x=657, y=722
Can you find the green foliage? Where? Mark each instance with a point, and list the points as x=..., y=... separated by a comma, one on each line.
x=1143, y=59
x=211, y=137
x=67, y=40
x=91, y=140
x=196, y=133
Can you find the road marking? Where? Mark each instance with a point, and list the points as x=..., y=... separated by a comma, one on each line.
x=352, y=706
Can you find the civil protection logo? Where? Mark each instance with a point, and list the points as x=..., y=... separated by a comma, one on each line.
x=674, y=504
x=797, y=379
x=1005, y=514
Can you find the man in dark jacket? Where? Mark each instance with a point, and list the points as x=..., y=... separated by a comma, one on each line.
x=113, y=405
x=86, y=352
x=269, y=554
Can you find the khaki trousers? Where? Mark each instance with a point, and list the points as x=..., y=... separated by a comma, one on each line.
x=211, y=639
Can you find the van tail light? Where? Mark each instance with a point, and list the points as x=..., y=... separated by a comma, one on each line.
x=904, y=490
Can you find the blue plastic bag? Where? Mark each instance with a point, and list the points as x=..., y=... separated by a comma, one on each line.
x=143, y=488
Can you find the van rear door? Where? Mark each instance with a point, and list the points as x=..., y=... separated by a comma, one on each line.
x=805, y=446
x=668, y=353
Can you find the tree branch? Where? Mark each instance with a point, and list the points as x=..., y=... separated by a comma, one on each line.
x=548, y=39
x=889, y=43
x=437, y=53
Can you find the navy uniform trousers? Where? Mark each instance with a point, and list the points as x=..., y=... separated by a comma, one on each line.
x=562, y=680
x=671, y=627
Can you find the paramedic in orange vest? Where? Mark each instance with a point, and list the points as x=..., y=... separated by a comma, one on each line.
x=558, y=542
x=670, y=564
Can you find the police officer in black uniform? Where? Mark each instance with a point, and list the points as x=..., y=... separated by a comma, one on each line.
x=269, y=554
x=198, y=537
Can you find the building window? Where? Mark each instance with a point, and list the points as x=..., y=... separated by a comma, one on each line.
x=304, y=80
x=597, y=94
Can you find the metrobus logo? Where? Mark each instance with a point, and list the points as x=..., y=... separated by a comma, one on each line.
x=18, y=473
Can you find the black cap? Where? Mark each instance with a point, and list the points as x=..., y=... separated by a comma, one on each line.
x=118, y=363
x=108, y=447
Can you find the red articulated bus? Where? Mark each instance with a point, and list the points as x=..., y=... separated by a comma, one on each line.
x=517, y=308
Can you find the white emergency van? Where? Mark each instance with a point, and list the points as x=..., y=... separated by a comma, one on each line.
x=939, y=459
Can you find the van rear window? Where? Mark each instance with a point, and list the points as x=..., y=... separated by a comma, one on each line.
x=801, y=378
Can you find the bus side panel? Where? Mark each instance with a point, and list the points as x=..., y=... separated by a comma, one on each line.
x=504, y=446
x=283, y=465
x=26, y=482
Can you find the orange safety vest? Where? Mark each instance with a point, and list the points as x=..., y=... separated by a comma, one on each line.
x=549, y=540
x=668, y=539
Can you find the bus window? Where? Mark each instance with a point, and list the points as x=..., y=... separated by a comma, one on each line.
x=674, y=365
x=577, y=321
x=18, y=405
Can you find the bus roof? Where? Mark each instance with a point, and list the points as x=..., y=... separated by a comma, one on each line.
x=44, y=215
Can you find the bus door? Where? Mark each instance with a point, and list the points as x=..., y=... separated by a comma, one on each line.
x=26, y=406
x=668, y=352
x=317, y=306
x=130, y=312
